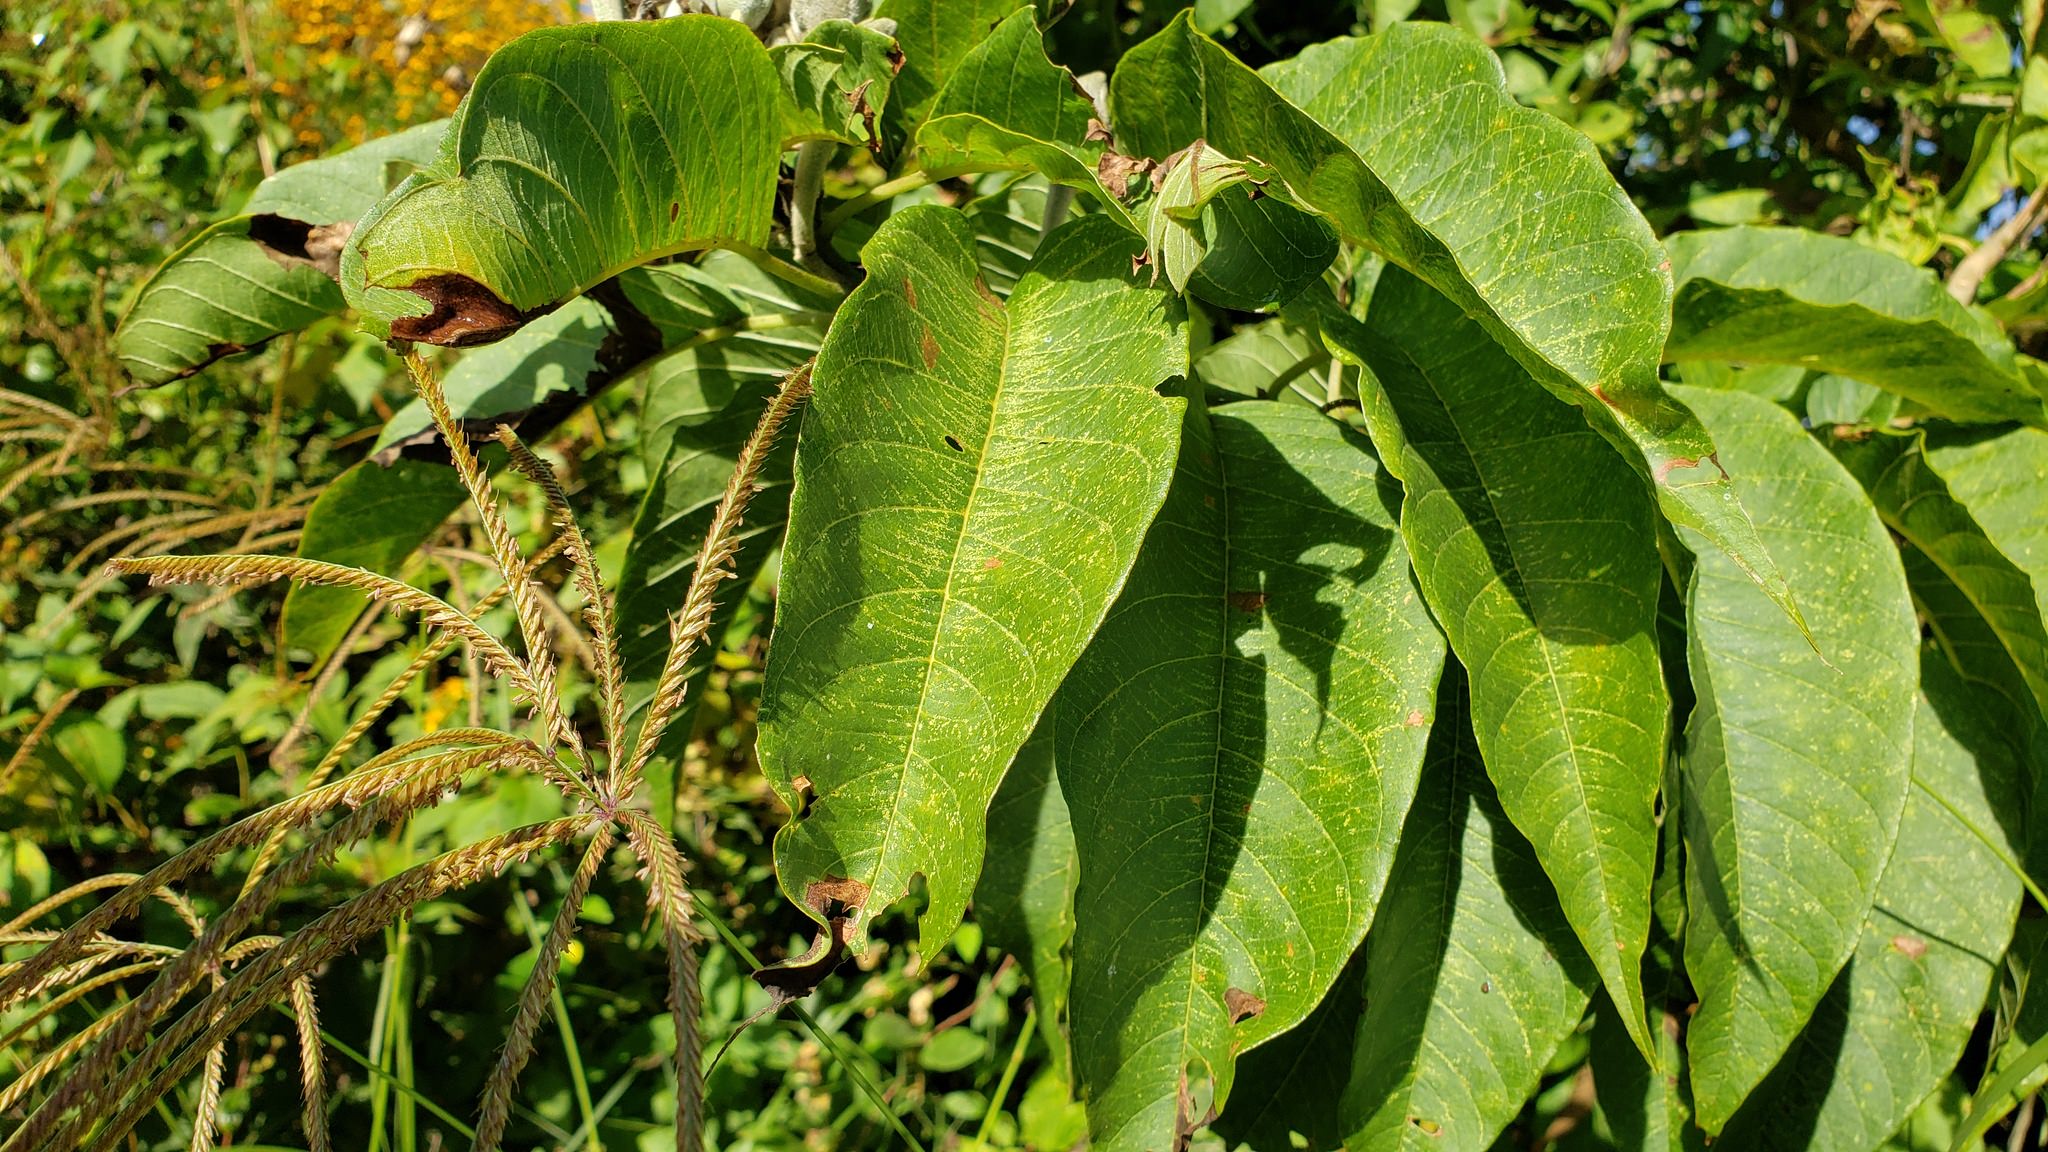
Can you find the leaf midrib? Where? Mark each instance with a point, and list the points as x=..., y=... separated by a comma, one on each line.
x=974, y=491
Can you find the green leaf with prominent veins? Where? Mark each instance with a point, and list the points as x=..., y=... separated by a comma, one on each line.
x=1896, y=1019
x=1025, y=901
x=582, y=151
x=1472, y=975
x=1798, y=754
x=1409, y=144
x=1238, y=747
x=1007, y=107
x=1999, y=479
x=1915, y=502
x=268, y=270
x=1536, y=547
x=1831, y=304
x=972, y=484
x=934, y=35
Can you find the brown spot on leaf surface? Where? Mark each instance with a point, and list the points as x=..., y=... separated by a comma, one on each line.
x=928, y=348
x=463, y=313
x=1247, y=601
x=909, y=293
x=1241, y=1005
x=1911, y=947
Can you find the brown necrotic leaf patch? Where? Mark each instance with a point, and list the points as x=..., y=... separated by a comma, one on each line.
x=463, y=313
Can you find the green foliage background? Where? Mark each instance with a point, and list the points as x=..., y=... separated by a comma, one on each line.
x=145, y=719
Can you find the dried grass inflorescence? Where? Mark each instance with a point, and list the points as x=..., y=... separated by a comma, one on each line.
x=94, y=1086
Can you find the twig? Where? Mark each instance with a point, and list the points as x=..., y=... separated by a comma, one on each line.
x=1970, y=272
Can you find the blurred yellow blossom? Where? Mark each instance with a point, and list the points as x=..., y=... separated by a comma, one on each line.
x=426, y=50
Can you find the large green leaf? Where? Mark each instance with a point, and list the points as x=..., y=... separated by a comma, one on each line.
x=1896, y=1019
x=1798, y=754
x=265, y=271
x=1008, y=107
x=1536, y=547
x=1472, y=976
x=1409, y=144
x=934, y=36
x=1238, y=748
x=581, y=151
x=1915, y=502
x=1974, y=649
x=1025, y=900
x=972, y=484
x=1831, y=304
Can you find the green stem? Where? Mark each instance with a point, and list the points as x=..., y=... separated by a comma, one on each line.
x=887, y=190
x=1002, y=1093
x=812, y=158
x=826, y=1040
x=574, y=1055
x=789, y=273
x=1989, y=1106
x=377, y=1075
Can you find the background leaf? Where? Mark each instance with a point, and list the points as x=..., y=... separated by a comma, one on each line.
x=1025, y=900
x=1790, y=811
x=1832, y=304
x=972, y=484
x=249, y=278
x=1238, y=748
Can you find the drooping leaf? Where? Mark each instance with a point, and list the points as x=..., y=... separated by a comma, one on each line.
x=1915, y=502
x=1896, y=1019
x=835, y=83
x=972, y=484
x=1409, y=144
x=1536, y=547
x=1238, y=748
x=582, y=151
x=1798, y=754
x=1025, y=901
x=1830, y=304
x=1005, y=106
x=934, y=36
x=1473, y=977
x=265, y=271
x=368, y=517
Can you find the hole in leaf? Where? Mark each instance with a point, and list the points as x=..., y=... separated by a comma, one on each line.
x=953, y=442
